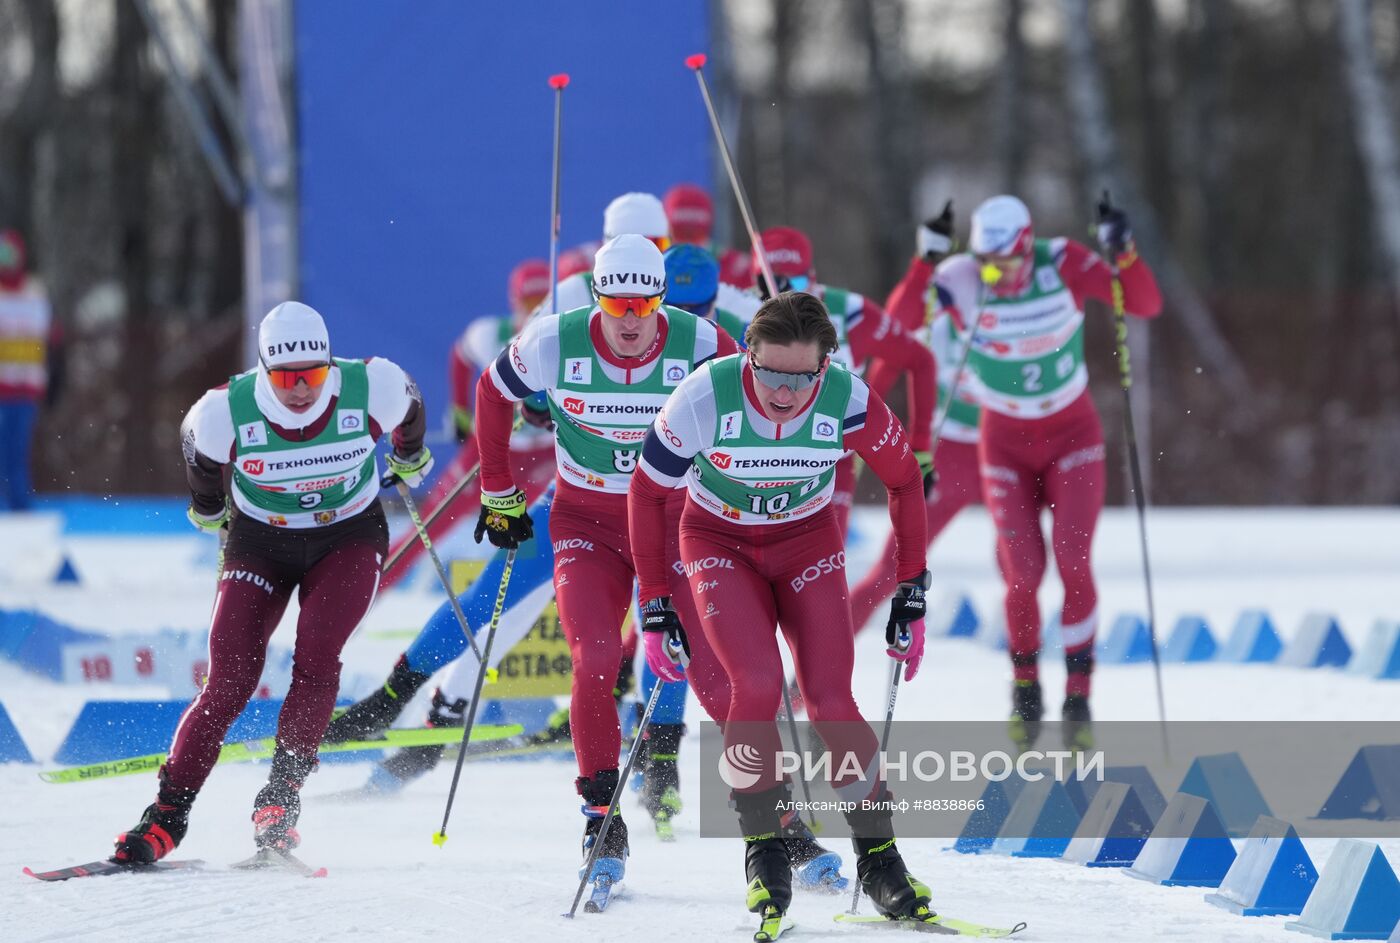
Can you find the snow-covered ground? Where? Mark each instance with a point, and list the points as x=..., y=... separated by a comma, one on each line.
x=509, y=869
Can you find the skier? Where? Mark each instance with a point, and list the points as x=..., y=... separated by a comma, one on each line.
x=691, y=213
x=863, y=330
x=755, y=440
x=693, y=284
x=531, y=446
x=1041, y=440
x=25, y=332
x=606, y=367
x=911, y=303
x=639, y=213
x=299, y=431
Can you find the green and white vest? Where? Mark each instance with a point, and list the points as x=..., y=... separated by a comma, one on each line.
x=752, y=479
x=837, y=300
x=304, y=484
x=964, y=414
x=599, y=425
x=1029, y=356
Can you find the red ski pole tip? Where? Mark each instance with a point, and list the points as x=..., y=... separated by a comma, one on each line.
x=696, y=61
x=559, y=81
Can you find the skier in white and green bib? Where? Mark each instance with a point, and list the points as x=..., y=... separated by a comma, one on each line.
x=863, y=331
x=298, y=435
x=606, y=367
x=1042, y=443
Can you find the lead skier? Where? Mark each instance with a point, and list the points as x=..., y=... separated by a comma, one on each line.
x=754, y=440
x=299, y=433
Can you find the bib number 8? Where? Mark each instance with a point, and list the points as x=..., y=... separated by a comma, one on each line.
x=773, y=504
x=624, y=460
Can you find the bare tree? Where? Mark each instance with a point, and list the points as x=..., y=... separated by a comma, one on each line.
x=1011, y=98
x=26, y=123
x=1375, y=131
x=1098, y=147
x=882, y=27
x=1206, y=82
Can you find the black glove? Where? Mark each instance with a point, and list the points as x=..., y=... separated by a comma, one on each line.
x=1115, y=236
x=935, y=236
x=504, y=520
x=535, y=411
x=927, y=469
x=908, y=605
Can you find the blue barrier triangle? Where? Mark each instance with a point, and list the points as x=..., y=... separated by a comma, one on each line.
x=1041, y=823
x=1139, y=777
x=983, y=824
x=1369, y=788
x=12, y=748
x=1191, y=640
x=1356, y=898
x=1127, y=642
x=1379, y=657
x=1113, y=830
x=67, y=572
x=1319, y=642
x=1187, y=848
x=1272, y=876
x=964, y=622
x=1253, y=639
x=1225, y=781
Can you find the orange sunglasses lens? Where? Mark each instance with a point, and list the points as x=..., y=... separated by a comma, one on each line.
x=621, y=307
x=288, y=379
x=661, y=242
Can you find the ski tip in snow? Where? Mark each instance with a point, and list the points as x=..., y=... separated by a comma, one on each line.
x=933, y=923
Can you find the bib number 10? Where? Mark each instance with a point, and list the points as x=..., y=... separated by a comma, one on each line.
x=772, y=504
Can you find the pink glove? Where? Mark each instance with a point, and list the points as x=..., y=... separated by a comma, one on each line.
x=668, y=651
x=908, y=647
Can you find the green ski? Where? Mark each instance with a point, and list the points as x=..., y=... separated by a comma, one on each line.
x=930, y=922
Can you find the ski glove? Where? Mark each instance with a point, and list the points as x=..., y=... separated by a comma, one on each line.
x=535, y=411
x=210, y=524
x=925, y=460
x=904, y=633
x=667, y=648
x=1114, y=234
x=935, y=236
x=462, y=424
x=504, y=520
x=412, y=470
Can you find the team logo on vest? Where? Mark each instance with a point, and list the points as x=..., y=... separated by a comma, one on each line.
x=578, y=370
x=351, y=420
x=325, y=517
x=673, y=371
x=277, y=520
x=1047, y=279
x=721, y=460
x=253, y=466
x=823, y=428
x=575, y=405
x=837, y=561
x=730, y=425
x=253, y=433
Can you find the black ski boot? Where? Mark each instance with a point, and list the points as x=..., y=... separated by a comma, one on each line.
x=883, y=876
x=597, y=793
x=661, y=781
x=408, y=764
x=817, y=867
x=161, y=829
x=1076, y=723
x=1026, y=711
x=278, y=804
x=372, y=715
x=767, y=863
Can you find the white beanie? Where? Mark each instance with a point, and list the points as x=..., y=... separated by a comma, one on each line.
x=293, y=333
x=1000, y=226
x=629, y=265
x=639, y=213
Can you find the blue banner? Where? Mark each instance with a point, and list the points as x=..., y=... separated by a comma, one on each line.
x=425, y=135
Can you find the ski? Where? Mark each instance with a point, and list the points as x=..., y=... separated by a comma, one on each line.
x=268, y=858
x=94, y=869
x=262, y=748
x=772, y=925
x=932, y=923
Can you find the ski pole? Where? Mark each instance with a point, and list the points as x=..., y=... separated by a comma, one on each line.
x=440, y=838
x=437, y=512
x=558, y=83
x=897, y=669
x=1125, y=380
x=797, y=745
x=422, y=528
x=697, y=63
x=616, y=798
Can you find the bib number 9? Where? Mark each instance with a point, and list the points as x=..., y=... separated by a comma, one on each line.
x=310, y=500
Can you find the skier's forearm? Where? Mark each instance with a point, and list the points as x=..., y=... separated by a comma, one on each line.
x=408, y=436
x=205, y=478
x=495, y=414
x=906, y=301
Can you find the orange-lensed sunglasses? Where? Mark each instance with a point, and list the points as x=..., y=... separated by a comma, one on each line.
x=642, y=307
x=288, y=379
